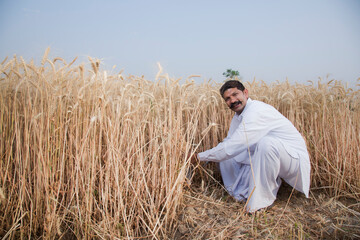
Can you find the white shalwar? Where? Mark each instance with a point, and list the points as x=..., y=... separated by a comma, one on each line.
x=263, y=138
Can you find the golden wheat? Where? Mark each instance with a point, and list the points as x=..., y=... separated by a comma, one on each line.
x=88, y=155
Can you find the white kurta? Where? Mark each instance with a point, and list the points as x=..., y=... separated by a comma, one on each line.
x=276, y=149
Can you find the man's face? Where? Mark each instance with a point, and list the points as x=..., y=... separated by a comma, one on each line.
x=236, y=99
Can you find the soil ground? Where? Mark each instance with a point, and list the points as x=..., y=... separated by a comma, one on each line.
x=210, y=213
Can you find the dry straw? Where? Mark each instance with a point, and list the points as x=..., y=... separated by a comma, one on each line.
x=89, y=155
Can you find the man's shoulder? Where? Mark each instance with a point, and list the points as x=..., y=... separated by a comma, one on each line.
x=257, y=103
x=260, y=107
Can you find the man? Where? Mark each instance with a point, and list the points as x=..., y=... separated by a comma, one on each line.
x=262, y=147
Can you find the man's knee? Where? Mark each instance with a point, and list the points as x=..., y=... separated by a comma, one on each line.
x=268, y=146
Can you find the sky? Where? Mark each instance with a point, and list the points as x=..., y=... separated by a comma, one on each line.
x=266, y=40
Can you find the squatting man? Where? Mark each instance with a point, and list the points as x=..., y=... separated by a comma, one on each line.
x=261, y=138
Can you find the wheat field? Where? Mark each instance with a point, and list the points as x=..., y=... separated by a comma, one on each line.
x=90, y=155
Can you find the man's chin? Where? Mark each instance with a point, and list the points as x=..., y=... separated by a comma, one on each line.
x=237, y=109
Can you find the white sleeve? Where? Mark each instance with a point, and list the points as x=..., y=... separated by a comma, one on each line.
x=248, y=133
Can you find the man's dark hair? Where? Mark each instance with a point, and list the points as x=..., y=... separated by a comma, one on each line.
x=231, y=84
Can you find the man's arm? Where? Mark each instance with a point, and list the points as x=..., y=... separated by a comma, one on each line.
x=248, y=133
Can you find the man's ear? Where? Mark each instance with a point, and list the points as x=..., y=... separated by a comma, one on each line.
x=246, y=93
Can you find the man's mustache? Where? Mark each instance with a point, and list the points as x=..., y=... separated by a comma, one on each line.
x=234, y=104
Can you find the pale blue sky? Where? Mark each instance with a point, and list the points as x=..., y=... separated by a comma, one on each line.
x=270, y=40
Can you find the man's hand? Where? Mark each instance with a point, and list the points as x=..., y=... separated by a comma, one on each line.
x=194, y=160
